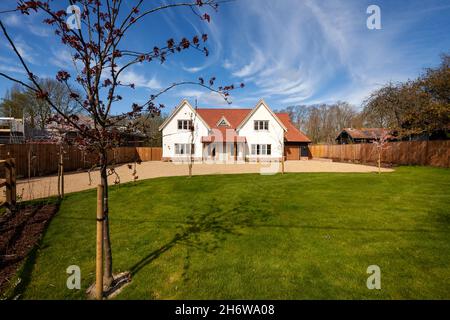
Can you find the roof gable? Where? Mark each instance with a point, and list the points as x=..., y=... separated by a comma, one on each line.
x=213, y=116
x=261, y=103
x=177, y=109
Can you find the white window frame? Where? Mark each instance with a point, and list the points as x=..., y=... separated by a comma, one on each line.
x=261, y=149
x=223, y=122
x=184, y=124
x=260, y=125
x=184, y=148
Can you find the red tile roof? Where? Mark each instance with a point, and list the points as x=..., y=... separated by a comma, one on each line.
x=236, y=116
x=367, y=133
x=293, y=134
x=233, y=116
x=227, y=133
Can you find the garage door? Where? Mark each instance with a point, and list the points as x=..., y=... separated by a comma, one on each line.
x=292, y=152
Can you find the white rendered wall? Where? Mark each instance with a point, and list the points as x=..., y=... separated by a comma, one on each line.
x=274, y=136
x=171, y=134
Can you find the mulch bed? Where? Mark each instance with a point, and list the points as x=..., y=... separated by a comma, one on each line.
x=19, y=234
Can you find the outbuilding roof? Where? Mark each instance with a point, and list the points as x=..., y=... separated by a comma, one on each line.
x=367, y=133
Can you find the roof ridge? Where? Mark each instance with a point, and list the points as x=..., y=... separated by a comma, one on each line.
x=224, y=108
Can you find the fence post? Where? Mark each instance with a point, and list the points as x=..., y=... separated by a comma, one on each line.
x=10, y=173
x=61, y=169
x=29, y=161
x=99, y=255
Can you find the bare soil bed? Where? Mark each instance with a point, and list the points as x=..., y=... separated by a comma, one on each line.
x=20, y=232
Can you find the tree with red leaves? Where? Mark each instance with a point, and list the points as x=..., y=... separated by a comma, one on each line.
x=96, y=46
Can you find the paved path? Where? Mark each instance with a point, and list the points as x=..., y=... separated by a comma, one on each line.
x=46, y=186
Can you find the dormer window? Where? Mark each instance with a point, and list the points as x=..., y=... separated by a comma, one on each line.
x=223, y=122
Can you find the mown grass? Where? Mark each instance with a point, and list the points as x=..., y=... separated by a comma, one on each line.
x=292, y=236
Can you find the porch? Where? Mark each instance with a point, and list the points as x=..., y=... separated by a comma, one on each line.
x=224, y=151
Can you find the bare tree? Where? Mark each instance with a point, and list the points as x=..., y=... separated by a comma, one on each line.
x=193, y=135
x=299, y=115
x=323, y=122
x=381, y=143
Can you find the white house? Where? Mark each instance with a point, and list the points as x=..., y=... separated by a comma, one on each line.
x=256, y=134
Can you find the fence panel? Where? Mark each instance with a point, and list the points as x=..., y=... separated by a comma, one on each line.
x=42, y=159
x=433, y=153
x=439, y=153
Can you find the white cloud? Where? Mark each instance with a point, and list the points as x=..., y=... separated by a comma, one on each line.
x=13, y=69
x=13, y=20
x=26, y=51
x=139, y=80
x=204, y=98
x=255, y=65
x=28, y=23
x=299, y=51
x=193, y=69
x=62, y=58
x=227, y=64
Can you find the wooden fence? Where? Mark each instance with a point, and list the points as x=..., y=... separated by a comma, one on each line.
x=42, y=159
x=431, y=153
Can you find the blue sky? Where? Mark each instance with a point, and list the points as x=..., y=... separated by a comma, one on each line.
x=285, y=51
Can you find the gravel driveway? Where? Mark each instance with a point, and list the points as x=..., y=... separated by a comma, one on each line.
x=42, y=187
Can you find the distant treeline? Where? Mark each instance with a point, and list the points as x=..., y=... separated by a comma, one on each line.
x=419, y=107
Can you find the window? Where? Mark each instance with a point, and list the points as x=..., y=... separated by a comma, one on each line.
x=261, y=124
x=184, y=124
x=261, y=149
x=184, y=148
x=223, y=122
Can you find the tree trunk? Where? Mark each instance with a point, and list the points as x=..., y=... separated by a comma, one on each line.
x=59, y=177
x=379, y=162
x=61, y=164
x=107, y=275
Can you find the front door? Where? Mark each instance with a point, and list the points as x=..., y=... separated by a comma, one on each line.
x=304, y=152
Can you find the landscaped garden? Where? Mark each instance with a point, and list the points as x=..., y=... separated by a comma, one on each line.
x=292, y=236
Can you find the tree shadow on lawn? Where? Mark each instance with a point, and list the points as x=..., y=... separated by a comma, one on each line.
x=442, y=218
x=354, y=229
x=206, y=231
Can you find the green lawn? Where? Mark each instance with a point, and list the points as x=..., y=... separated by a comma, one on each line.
x=297, y=236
